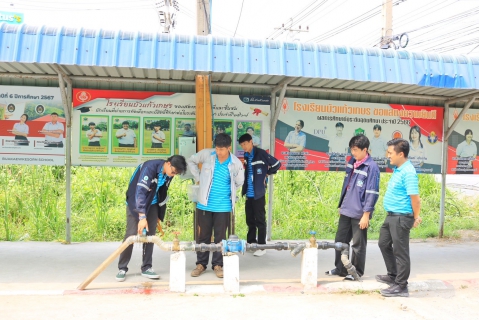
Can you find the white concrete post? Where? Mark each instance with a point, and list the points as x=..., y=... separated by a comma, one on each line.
x=178, y=272
x=309, y=267
x=231, y=274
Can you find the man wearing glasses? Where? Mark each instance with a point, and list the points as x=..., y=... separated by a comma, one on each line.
x=146, y=199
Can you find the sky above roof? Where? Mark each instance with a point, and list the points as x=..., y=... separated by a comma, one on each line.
x=443, y=26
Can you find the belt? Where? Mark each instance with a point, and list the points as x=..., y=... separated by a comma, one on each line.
x=400, y=214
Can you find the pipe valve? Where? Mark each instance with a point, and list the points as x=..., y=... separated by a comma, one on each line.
x=233, y=244
x=312, y=239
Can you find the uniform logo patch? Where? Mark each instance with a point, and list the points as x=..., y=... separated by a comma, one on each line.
x=360, y=183
x=259, y=171
x=145, y=178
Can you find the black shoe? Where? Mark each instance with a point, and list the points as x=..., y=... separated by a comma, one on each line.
x=334, y=272
x=385, y=279
x=395, y=291
x=351, y=278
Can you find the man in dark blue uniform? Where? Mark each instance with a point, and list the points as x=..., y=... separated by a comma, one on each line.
x=146, y=199
x=259, y=165
x=359, y=195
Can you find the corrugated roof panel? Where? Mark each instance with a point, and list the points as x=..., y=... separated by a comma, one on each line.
x=274, y=57
x=220, y=54
x=256, y=56
x=118, y=49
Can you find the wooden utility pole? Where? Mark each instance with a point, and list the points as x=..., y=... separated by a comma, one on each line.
x=387, y=29
x=203, y=27
x=204, y=127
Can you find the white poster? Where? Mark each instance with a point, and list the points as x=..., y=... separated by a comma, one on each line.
x=126, y=128
x=32, y=126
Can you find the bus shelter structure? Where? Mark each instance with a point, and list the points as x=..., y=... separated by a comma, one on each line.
x=114, y=59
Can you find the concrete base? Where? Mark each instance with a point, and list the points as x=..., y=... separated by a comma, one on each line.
x=178, y=272
x=231, y=274
x=309, y=267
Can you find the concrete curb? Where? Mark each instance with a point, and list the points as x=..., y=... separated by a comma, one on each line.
x=283, y=288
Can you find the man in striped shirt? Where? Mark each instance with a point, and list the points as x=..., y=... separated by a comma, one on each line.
x=221, y=175
x=403, y=207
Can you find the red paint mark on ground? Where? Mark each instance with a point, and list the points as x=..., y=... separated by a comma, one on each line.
x=145, y=291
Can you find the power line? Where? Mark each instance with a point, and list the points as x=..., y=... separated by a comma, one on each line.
x=359, y=19
x=405, y=21
x=449, y=19
x=239, y=18
x=293, y=21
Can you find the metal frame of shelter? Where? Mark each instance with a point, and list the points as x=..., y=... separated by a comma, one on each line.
x=102, y=59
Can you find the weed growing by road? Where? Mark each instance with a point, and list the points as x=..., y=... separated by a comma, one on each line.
x=33, y=202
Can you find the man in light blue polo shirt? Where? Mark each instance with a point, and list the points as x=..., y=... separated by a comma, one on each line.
x=403, y=206
x=221, y=174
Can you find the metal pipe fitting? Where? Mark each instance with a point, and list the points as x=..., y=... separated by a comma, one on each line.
x=298, y=249
x=349, y=266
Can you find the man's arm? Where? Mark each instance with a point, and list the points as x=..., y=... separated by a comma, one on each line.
x=51, y=133
x=416, y=208
x=119, y=135
x=298, y=147
x=371, y=196
x=273, y=164
x=160, y=137
x=287, y=141
x=194, y=161
x=141, y=194
x=239, y=175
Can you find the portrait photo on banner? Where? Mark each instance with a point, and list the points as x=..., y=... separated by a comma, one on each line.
x=156, y=136
x=125, y=137
x=254, y=129
x=94, y=134
x=184, y=127
x=223, y=126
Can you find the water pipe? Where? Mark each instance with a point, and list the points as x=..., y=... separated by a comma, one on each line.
x=226, y=247
x=344, y=248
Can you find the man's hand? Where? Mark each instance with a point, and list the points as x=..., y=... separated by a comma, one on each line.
x=142, y=225
x=417, y=221
x=364, y=222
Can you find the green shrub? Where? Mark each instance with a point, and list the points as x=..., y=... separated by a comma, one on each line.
x=33, y=202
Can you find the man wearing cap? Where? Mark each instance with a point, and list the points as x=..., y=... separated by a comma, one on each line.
x=53, y=132
x=126, y=136
x=93, y=135
x=157, y=136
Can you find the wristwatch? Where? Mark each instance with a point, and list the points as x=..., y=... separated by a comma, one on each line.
x=141, y=217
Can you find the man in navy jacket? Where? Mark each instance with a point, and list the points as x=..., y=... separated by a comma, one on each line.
x=146, y=199
x=359, y=195
x=258, y=166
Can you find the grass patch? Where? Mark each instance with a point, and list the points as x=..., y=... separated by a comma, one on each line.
x=32, y=201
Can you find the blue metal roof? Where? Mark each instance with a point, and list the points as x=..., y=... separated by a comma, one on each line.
x=118, y=54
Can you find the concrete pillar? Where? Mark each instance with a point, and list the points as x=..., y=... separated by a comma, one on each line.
x=231, y=274
x=178, y=272
x=309, y=267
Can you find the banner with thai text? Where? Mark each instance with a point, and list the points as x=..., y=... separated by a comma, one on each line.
x=32, y=126
x=125, y=128
x=315, y=134
x=462, y=148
